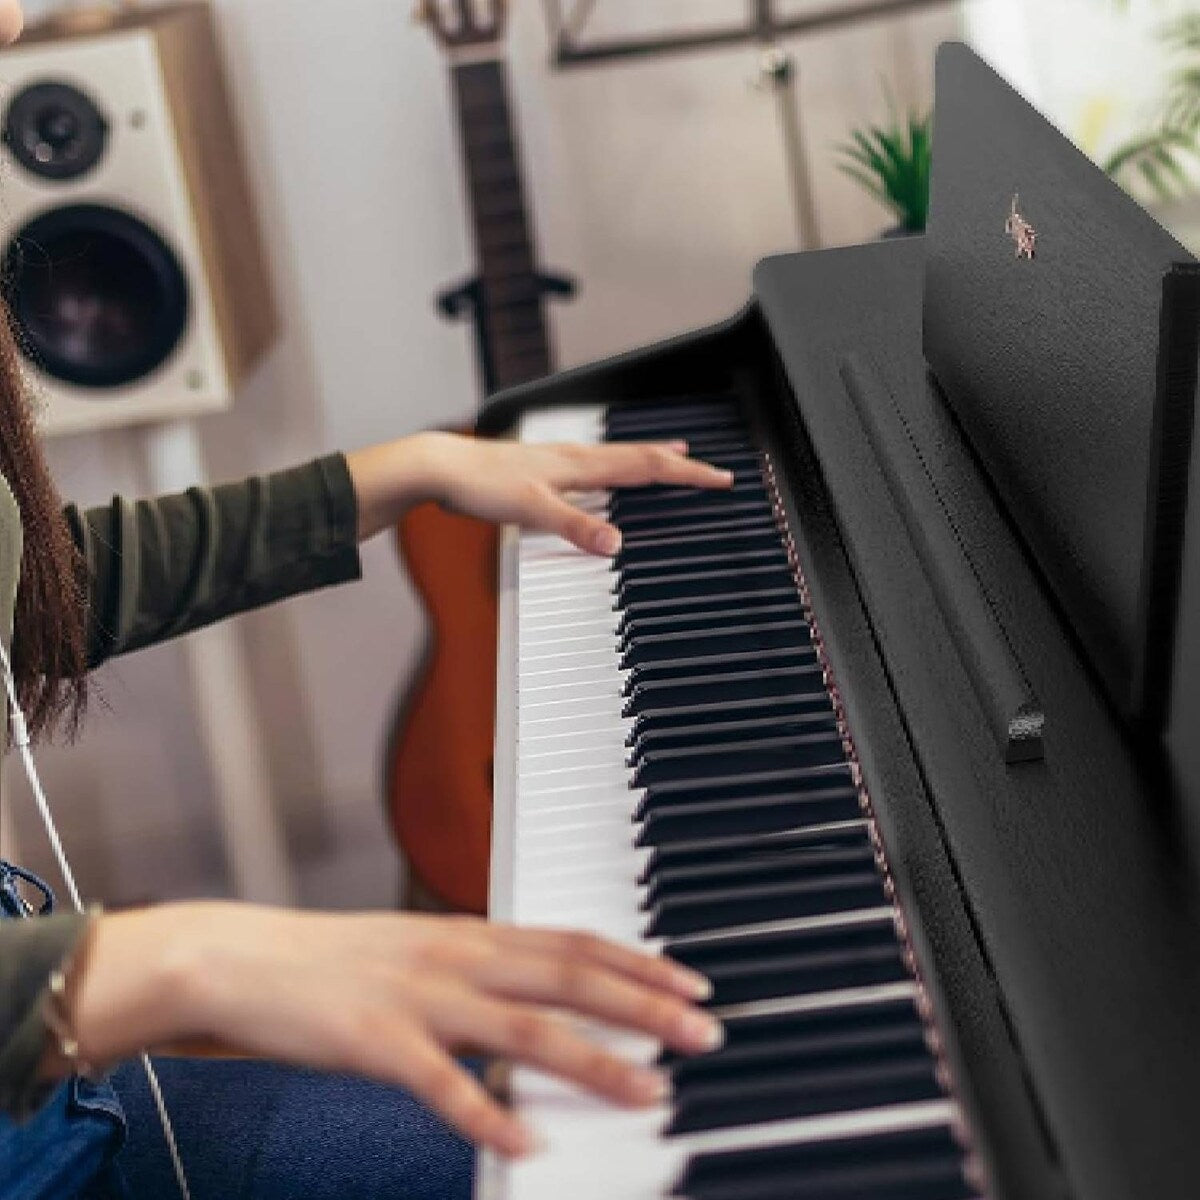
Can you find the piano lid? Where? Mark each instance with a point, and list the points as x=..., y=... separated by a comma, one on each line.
x=1061, y=322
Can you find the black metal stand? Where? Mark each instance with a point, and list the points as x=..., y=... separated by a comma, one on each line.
x=568, y=20
x=466, y=299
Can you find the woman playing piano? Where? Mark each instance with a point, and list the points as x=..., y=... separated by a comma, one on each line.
x=368, y=1010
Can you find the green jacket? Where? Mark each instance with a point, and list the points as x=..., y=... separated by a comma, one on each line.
x=159, y=568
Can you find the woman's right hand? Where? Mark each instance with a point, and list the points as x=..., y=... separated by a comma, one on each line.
x=390, y=996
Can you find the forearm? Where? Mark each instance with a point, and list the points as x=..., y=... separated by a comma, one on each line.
x=394, y=476
x=138, y=981
x=162, y=567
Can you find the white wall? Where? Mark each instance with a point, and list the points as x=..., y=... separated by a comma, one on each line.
x=1098, y=68
x=657, y=184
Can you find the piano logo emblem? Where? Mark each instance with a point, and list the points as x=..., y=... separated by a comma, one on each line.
x=1022, y=233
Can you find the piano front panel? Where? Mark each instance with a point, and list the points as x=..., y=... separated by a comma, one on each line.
x=676, y=772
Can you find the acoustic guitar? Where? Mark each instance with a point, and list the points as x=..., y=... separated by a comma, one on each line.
x=439, y=761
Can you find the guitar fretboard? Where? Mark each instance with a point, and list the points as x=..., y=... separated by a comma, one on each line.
x=511, y=296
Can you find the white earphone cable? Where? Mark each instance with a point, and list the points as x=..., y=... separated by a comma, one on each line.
x=20, y=737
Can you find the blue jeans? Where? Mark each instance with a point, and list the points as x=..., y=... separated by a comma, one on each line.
x=69, y=1141
x=245, y=1130
x=257, y=1131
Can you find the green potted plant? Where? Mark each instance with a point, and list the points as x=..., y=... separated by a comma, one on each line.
x=1156, y=158
x=892, y=162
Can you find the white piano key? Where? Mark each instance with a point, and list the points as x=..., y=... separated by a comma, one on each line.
x=572, y=725
x=551, y=631
x=578, y=1137
x=586, y=689
x=552, y=739
x=588, y=667
x=567, y=577
x=567, y=641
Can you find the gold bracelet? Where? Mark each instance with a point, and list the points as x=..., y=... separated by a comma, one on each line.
x=57, y=1011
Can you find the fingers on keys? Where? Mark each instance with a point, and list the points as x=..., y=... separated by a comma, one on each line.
x=639, y=464
x=454, y=1093
x=650, y=969
x=597, y=991
x=535, y=1037
x=549, y=512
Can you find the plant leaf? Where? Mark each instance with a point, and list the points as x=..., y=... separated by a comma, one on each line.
x=892, y=163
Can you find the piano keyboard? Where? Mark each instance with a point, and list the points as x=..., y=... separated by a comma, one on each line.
x=682, y=779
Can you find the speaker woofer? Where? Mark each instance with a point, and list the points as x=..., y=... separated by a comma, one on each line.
x=99, y=296
x=55, y=131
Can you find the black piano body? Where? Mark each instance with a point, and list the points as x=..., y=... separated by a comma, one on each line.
x=1049, y=883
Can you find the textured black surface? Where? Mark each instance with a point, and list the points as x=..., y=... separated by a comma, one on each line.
x=1051, y=363
x=1013, y=711
x=1071, y=876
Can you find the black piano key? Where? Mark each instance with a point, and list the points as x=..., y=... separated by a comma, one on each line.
x=693, y=644
x=770, y=723
x=703, y=547
x=663, y=503
x=684, y=411
x=671, y=566
x=696, y=763
x=706, y=509
x=623, y=506
x=719, y=436
x=862, y=1032
x=746, y=815
x=711, y=446
x=746, y=601
x=704, y=583
x=727, y=662
x=652, y=542
x=731, y=460
x=708, y=908
x=668, y=418
x=724, y=688
x=758, y=520
x=923, y=1164
x=761, y=546
x=719, y=785
x=702, y=851
x=704, y=620
x=789, y=1091
x=814, y=701
x=631, y=497
x=765, y=966
x=759, y=864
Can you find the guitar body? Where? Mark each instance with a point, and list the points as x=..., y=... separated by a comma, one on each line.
x=439, y=764
x=439, y=768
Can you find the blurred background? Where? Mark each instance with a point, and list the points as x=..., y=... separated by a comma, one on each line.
x=655, y=182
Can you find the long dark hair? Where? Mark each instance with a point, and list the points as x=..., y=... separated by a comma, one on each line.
x=49, y=648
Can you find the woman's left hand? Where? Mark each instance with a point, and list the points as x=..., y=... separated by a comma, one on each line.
x=528, y=485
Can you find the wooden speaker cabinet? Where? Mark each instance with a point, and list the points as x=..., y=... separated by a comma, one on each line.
x=132, y=254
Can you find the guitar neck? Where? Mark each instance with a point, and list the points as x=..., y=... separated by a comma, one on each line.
x=510, y=293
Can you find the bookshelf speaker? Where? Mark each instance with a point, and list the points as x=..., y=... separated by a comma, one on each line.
x=132, y=258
